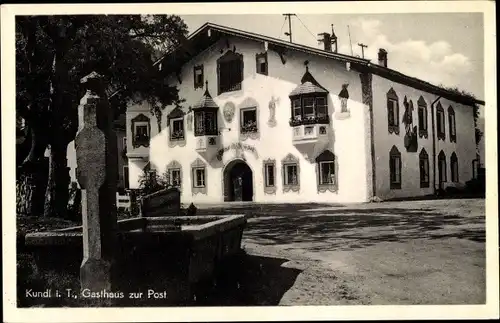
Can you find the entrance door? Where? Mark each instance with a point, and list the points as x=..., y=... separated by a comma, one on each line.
x=238, y=175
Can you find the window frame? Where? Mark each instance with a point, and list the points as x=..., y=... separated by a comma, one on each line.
x=202, y=171
x=181, y=137
x=269, y=189
x=296, y=107
x=454, y=170
x=442, y=161
x=440, y=126
x=312, y=106
x=286, y=162
x=325, y=157
x=422, y=106
x=242, y=117
x=224, y=62
x=198, y=164
x=393, y=112
x=198, y=83
x=258, y=65
x=452, y=126
x=424, y=177
x=395, y=183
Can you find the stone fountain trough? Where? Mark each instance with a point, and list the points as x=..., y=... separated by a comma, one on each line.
x=169, y=255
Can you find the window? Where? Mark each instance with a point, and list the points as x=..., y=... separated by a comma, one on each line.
x=230, y=72
x=442, y=168
x=199, y=177
x=261, y=62
x=451, y=122
x=325, y=169
x=174, y=174
x=248, y=120
x=175, y=177
x=395, y=168
x=297, y=109
x=291, y=173
x=205, y=123
x=321, y=107
x=198, y=76
x=269, y=170
x=424, y=169
x=140, y=131
x=177, y=129
x=309, y=108
x=393, y=111
x=422, y=118
x=440, y=122
x=126, y=184
x=454, y=168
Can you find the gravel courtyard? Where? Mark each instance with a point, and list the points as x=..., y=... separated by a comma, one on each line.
x=412, y=252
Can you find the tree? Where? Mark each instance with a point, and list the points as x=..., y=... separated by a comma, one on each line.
x=53, y=53
x=150, y=182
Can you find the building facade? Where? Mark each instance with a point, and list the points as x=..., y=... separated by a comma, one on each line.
x=269, y=121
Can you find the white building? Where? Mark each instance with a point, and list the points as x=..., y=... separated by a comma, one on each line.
x=271, y=121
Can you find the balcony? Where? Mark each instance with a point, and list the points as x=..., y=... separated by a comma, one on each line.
x=207, y=146
x=311, y=139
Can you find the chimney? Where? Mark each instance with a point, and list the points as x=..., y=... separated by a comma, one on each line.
x=334, y=41
x=382, y=57
x=327, y=41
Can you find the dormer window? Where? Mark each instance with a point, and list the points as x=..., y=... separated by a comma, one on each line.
x=261, y=62
x=309, y=103
x=140, y=131
x=198, y=76
x=230, y=72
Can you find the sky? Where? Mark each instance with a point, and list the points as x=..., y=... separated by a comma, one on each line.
x=440, y=48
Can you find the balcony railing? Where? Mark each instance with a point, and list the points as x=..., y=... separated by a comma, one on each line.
x=321, y=119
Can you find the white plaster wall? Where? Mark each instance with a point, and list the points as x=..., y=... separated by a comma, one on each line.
x=349, y=142
x=465, y=147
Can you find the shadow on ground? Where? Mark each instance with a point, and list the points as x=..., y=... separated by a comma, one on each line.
x=351, y=228
x=251, y=281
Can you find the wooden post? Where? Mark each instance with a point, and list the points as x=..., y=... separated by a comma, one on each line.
x=97, y=160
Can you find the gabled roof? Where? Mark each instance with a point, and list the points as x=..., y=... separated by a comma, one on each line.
x=210, y=33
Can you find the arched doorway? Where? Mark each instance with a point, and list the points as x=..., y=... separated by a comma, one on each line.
x=238, y=181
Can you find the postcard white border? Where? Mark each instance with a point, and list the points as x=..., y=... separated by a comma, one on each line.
x=13, y=314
